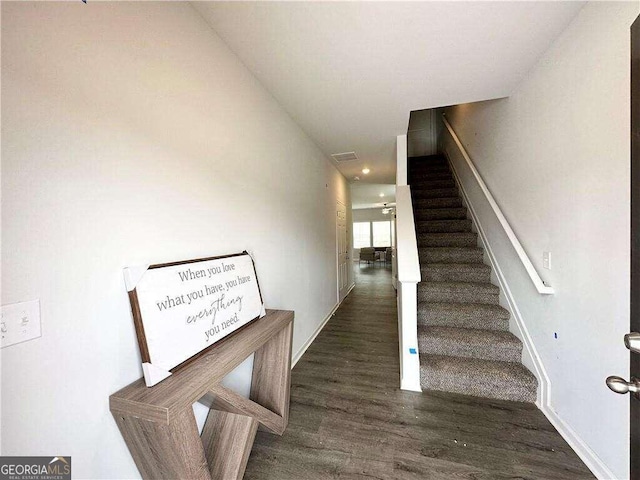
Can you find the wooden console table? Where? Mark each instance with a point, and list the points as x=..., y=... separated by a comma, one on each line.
x=160, y=429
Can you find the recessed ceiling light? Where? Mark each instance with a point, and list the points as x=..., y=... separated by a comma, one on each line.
x=365, y=170
x=356, y=179
x=382, y=195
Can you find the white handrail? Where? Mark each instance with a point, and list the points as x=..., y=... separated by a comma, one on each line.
x=408, y=260
x=533, y=274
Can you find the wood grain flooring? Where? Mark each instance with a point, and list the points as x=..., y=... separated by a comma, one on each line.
x=349, y=420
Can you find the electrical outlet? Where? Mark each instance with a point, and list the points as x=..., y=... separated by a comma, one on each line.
x=20, y=322
x=546, y=260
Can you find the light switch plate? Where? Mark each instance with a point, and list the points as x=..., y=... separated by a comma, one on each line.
x=20, y=322
x=546, y=260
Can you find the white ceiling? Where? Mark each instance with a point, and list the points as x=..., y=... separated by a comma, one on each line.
x=367, y=195
x=350, y=72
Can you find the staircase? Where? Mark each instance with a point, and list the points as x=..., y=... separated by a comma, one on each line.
x=463, y=333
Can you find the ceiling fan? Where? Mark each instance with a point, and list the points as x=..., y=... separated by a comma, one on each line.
x=387, y=210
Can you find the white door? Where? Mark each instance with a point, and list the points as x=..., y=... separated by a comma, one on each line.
x=342, y=244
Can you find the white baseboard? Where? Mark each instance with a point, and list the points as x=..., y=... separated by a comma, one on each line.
x=298, y=355
x=410, y=386
x=586, y=454
x=349, y=291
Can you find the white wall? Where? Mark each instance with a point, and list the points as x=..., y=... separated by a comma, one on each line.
x=132, y=135
x=370, y=215
x=556, y=157
x=421, y=135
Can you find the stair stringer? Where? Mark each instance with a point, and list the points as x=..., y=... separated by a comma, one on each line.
x=529, y=353
x=530, y=357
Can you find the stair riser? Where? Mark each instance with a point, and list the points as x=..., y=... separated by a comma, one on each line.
x=417, y=177
x=444, y=227
x=502, y=353
x=435, y=193
x=468, y=295
x=440, y=214
x=417, y=162
x=432, y=319
x=436, y=255
x=431, y=184
x=448, y=240
x=489, y=388
x=432, y=163
x=447, y=202
x=435, y=168
x=453, y=275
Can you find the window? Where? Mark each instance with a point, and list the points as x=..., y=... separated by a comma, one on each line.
x=381, y=234
x=361, y=234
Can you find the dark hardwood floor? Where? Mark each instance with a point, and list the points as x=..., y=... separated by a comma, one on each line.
x=349, y=420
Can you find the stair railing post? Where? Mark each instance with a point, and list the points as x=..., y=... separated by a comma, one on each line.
x=408, y=338
x=408, y=275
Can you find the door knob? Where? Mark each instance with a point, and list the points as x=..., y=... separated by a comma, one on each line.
x=620, y=385
x=632, y=341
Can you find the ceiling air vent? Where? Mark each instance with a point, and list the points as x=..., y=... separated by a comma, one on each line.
x=344, y=157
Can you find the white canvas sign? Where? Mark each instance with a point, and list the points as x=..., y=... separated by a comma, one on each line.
x=181, y=309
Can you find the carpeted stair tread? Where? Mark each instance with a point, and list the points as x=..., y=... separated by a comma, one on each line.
x=444, y=202
x=463, y=315
x=443, y=226
x=420, y=165
x=481, y=378
x=450, y=255
x=435, y=193
x=440, y=213
x=468, y=342
x=458, y=292
x=455, y=272
x=452, y=239
x=421, y=170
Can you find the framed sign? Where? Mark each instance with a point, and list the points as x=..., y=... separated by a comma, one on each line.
x=181, y=309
